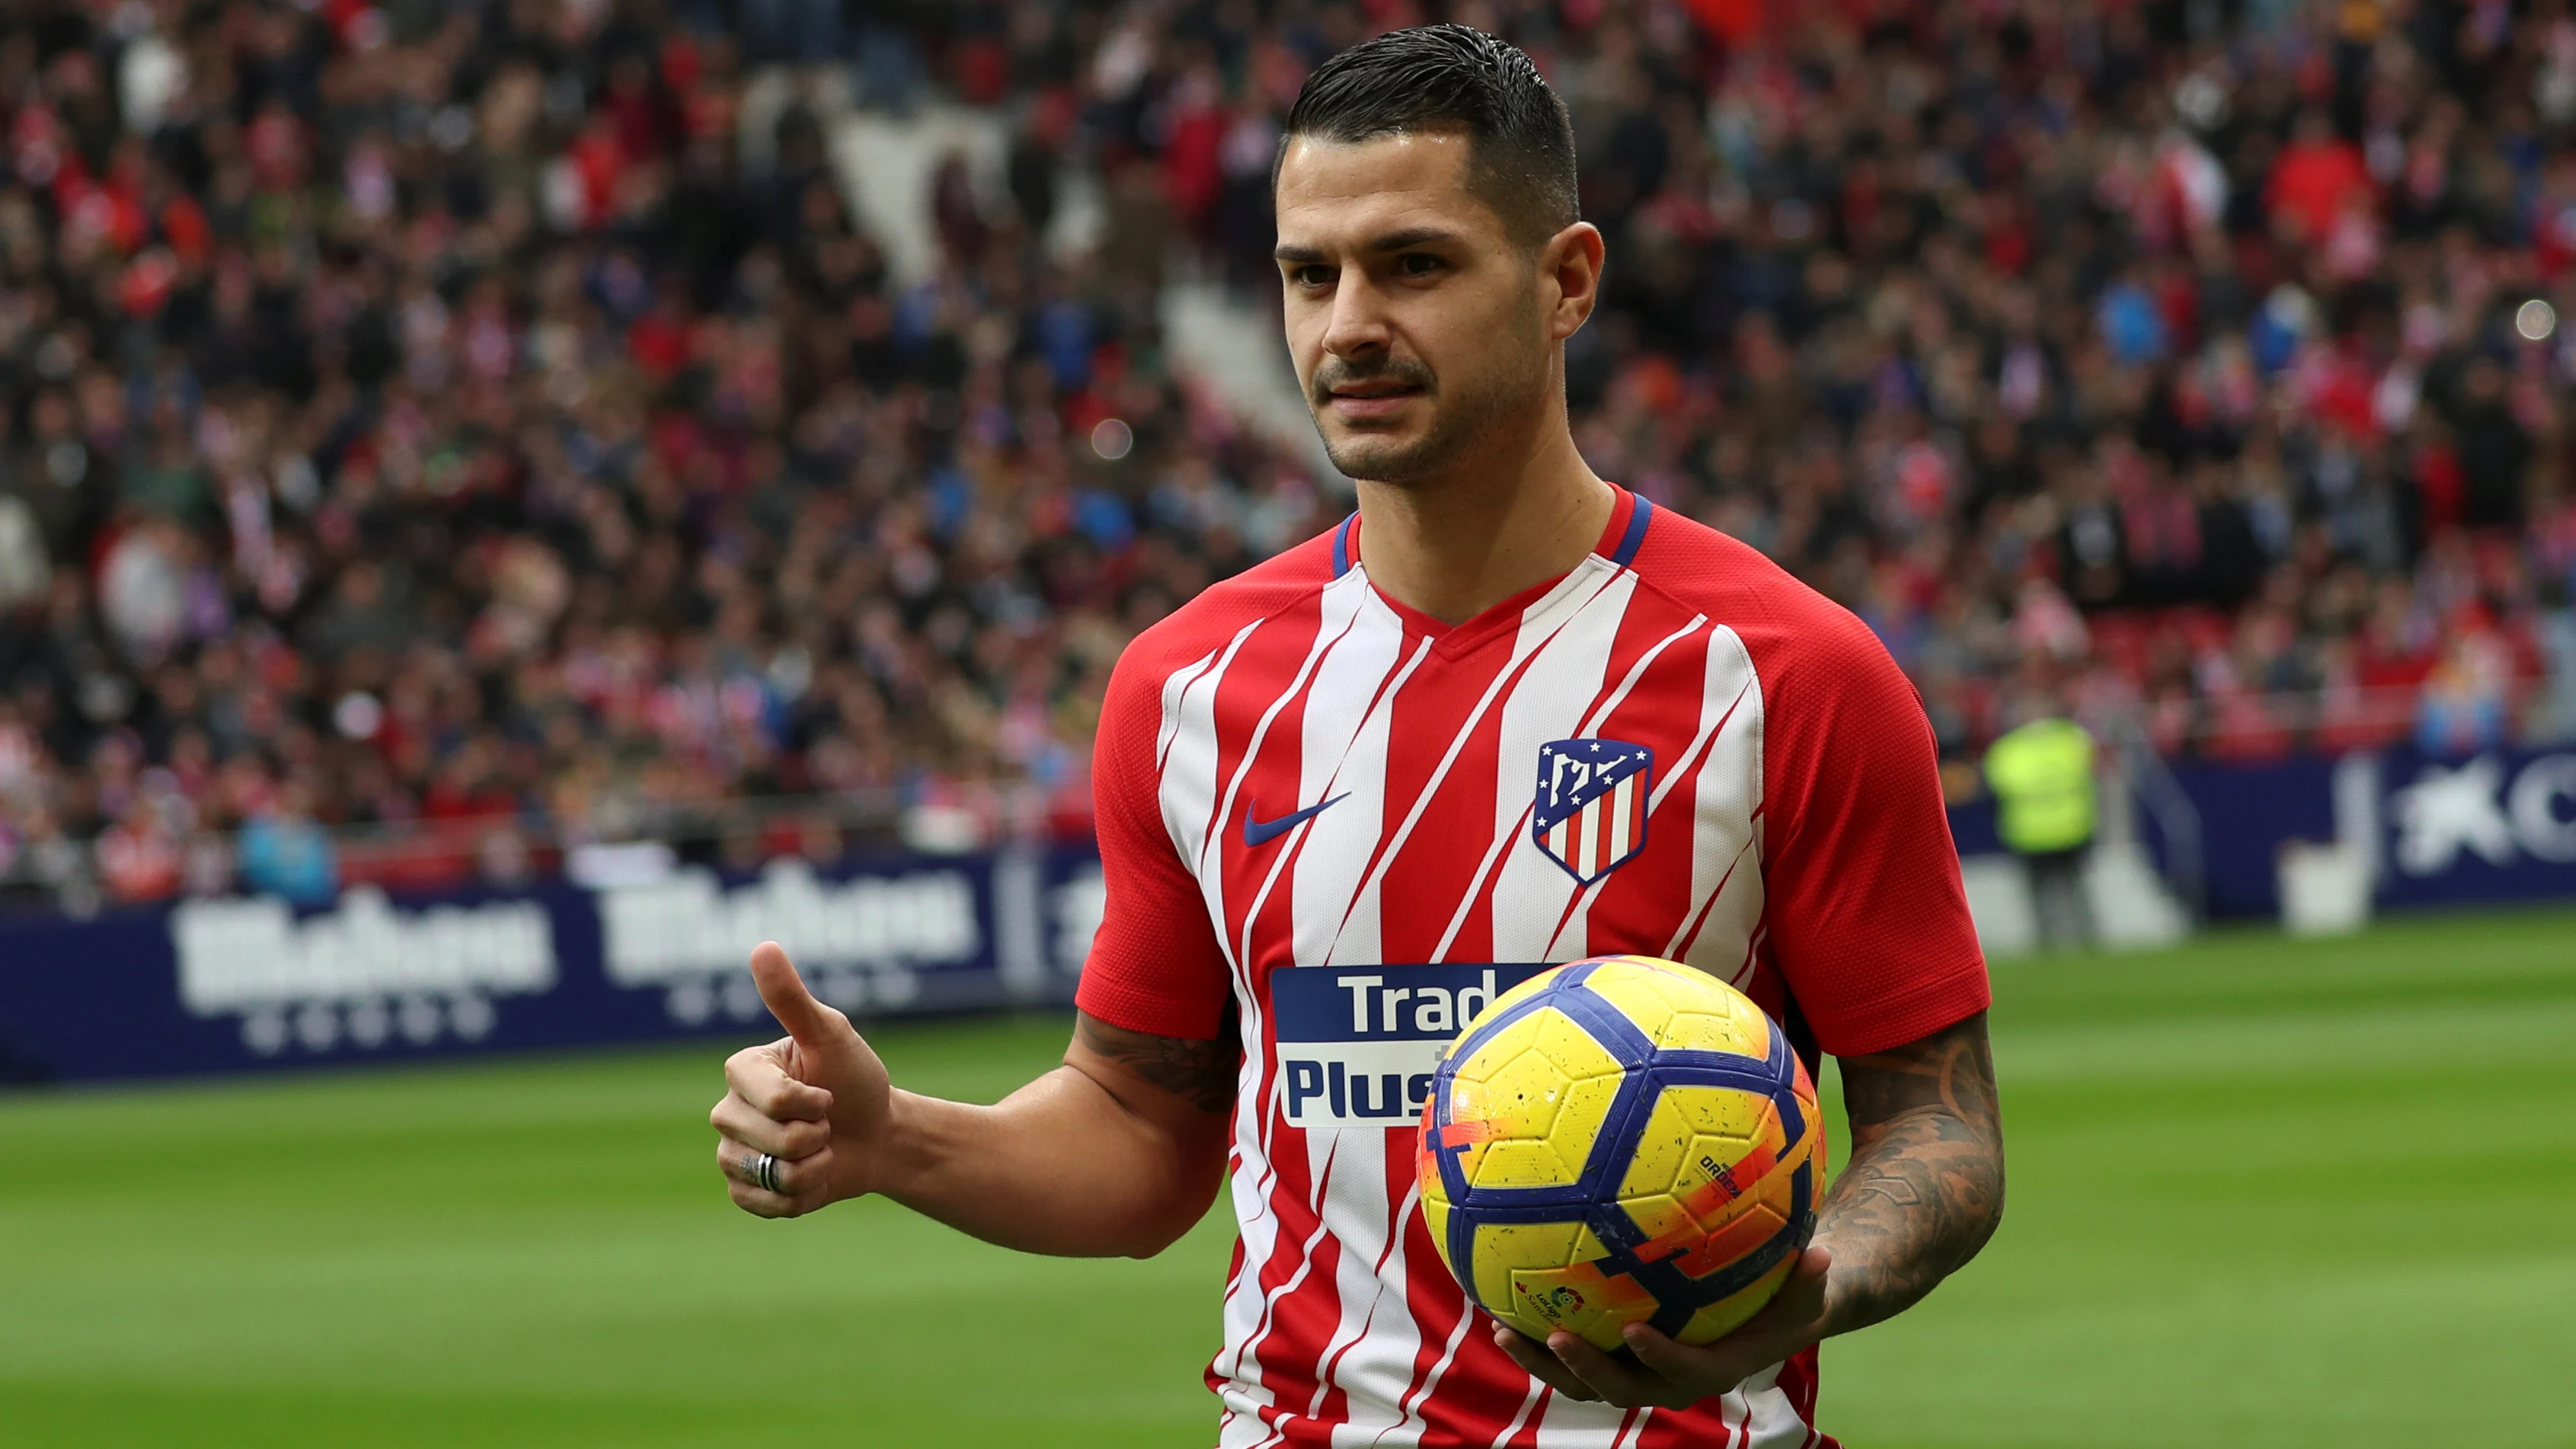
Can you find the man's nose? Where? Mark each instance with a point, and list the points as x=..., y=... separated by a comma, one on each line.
x=1359, y=322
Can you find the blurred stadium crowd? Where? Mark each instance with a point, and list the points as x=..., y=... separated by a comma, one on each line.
x=479, y=423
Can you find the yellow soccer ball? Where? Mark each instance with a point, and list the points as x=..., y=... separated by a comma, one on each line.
x=1621, y=1140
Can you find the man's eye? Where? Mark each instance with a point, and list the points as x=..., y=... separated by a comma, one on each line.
x=1417, y=264
x=1312, y=276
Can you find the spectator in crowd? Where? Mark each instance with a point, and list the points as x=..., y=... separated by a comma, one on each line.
x=285, y=853
x=139, y=859
x=477, y=412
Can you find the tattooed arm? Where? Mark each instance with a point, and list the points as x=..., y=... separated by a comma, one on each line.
x=1200, y=1073
x=1921, y=1194
x=1925, y=1185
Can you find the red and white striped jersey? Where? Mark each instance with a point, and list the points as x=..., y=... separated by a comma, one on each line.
x=1675, y=749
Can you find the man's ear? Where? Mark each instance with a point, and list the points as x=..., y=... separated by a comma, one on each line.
x=1569, y=266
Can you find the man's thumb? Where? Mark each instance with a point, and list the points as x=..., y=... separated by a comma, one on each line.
x=809, y=1021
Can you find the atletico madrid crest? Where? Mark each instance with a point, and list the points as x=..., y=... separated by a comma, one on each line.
x=1591, y=813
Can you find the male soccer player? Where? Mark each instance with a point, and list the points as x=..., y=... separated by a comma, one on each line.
x=1505, y=714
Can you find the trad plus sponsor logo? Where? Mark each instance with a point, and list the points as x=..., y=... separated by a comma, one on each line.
x=362, y=974
x=1358, y=1044
x=859, y=941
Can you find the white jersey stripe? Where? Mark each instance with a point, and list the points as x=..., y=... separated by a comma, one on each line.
x=1565, y=1423
x=1709, y=726
x=1523, y=649
x=1325, y=638
x=1212, y=883
x=1188, y=787
x=1537, y=1392
x=1344, y=837
x=1409, y=1420
x=1254, y=1176
x=1339, y=1186
x=1752, y=944
x=1678, y=948
x=1331, y=734
x=1189, y=758
x=1342, y=757
x=1354, y=1333
x=1254, y=1117
x=1244, y=1347
x=1724, y=822
x=1556, y=838
x=1770, y=1420
x=1370, y=1263
x=1176, y=687
x=1188, y=779
x=1530, y=892
x=1636, y=671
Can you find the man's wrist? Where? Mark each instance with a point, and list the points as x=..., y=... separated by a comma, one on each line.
x=1855, y=1293
x=902, y=1155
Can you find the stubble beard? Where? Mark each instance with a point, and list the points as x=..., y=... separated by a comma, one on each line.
x=1463, y=421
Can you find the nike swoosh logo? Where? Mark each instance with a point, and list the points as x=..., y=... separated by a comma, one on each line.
x=1262, y=832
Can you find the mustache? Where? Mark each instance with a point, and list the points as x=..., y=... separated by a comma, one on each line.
x=1336, y=373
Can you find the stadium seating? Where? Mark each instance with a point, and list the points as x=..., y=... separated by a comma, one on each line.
x=442, y=434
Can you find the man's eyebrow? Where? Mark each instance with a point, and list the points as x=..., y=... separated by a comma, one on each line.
x=1410, y=237
x=1394, y=241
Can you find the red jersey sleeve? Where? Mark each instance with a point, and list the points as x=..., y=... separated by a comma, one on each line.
x=1155, y=965
x=1866, y=918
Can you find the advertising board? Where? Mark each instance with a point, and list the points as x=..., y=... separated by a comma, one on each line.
x=236, y=984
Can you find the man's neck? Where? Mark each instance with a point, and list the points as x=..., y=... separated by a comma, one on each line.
x=1455, y=546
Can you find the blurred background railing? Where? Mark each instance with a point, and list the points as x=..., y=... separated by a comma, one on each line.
x=300, y=860
x=154, y=854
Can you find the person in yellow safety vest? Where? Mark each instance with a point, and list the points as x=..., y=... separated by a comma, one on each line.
x=2046, y=807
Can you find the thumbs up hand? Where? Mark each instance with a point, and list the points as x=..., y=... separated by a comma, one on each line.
x=805, y=1117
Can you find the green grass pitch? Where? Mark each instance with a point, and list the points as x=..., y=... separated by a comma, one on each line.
x=2263, y=1193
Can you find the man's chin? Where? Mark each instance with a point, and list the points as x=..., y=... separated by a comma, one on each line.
x=1382, y=459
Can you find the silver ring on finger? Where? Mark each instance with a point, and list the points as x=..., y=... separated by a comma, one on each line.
x=764, y=1171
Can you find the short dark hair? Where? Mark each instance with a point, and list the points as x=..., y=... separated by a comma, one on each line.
x=1453, y=78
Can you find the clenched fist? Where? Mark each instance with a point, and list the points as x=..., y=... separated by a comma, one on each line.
x=816, y=1099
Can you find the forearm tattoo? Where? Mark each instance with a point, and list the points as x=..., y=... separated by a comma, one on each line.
x=1199, y=1072
x=1925, y=1185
